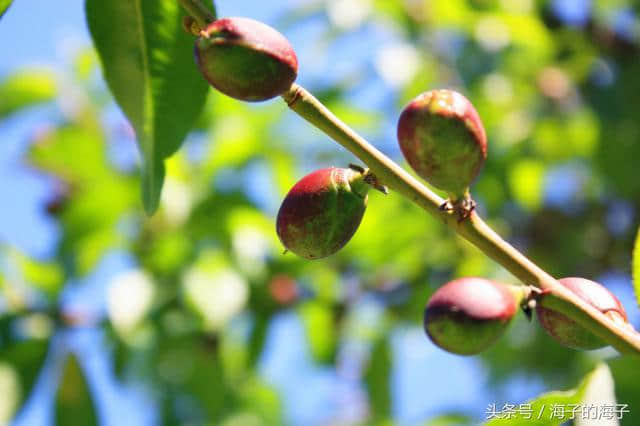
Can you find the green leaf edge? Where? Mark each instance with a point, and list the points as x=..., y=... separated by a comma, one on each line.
x=71, y=366
x=153, y=167
x=4, y=6
x=571, y=396
x=635, y=268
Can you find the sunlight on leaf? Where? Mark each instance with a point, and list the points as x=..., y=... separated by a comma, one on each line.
x=10, y=391
x=47, y=277
x=19, y=361
x=129, y=297
x=26, y=88
x=4, y=5
x=321, y=333
x=147, y=61
x=599, y=393
x=214, y=290
x=526, y=180
x=542, y=408
x=636, y=268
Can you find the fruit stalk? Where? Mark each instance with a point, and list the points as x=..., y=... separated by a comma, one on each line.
x=198, y=11
x=474, y=229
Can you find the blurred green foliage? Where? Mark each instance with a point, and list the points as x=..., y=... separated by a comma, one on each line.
x=4, y=5
x=558, y=105
x=73, y=399
x=26, y=88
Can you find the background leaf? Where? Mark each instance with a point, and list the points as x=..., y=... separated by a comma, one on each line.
x=600, y=392
x=4, y=5
x=626, y=375
x=23, y=360
x=73, y=400
x=147, y=61
x=318, y=320
x=378, y=379
x=636, y=268
x=26, y=88
x=542, y=413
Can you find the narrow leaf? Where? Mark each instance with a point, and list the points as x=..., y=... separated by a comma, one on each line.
x=44, y=276
x=450, y=420
x=549, y=409
x=20, y=364
x=147, y=61
x=626, y=376
x=377, y=377
x=320, y=327
x=73, y=399
x=600, y=393
x=26, y=88
x=4, y=5
x=636, y=268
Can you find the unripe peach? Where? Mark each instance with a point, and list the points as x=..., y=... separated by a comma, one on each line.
x=246, y=59
x=443, y=139
x=467, y=315
x=565, y=330
x=322, y=211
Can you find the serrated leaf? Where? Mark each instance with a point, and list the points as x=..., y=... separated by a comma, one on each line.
x=552, y=408
x=26, y=88
x=635, y=267
x=74, y=405
x=147, y=61
x=4, y=5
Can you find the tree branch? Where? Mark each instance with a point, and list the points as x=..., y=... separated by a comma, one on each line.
x=474, y=229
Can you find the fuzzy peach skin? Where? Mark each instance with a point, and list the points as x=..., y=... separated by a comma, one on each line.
x=442, y=137
x=566, y=331
x=246, y=59
x=467, y=315
x=322, y=211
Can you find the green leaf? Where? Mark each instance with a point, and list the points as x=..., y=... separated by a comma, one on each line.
x=636, y=267
x=73, y=399
x=542, y=412
x=599, y=393
x=47, y=277
x=626, y=375
x=526, y=179
x=320, y=327
x=20, y=364
x=4, y=5
x=189, y=364
x=450, y=420
x=93, y=196
x=26, y=88
x=377, y=377
x=147, y=61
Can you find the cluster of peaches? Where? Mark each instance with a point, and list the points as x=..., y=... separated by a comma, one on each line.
x=443, y=140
